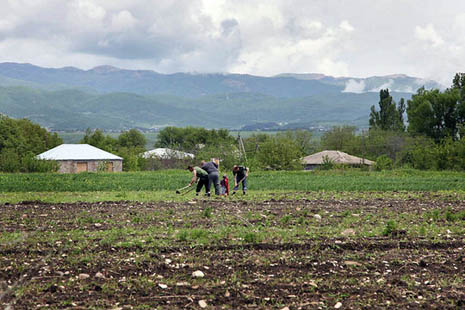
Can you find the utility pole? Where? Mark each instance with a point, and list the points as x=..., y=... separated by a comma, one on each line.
x=241, y=146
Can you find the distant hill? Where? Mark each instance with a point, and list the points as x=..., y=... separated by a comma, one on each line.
x=110, y=98
x=111, y=79
x=396, y=83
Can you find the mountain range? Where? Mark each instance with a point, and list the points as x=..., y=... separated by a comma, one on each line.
x=110, y=98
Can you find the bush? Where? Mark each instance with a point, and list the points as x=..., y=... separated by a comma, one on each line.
x=327, y=164
x=280, y=153
x=20, y=140
x=10, y=161
x=383, y=162
x=30, y=164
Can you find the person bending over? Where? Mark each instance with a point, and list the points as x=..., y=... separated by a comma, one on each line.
x=201, y=177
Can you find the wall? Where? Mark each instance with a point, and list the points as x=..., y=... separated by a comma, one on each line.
x=70, y=166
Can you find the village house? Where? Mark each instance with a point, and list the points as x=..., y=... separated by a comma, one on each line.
x=75, y=158
x=314, y=161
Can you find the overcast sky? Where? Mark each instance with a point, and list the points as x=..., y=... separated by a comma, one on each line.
x=360, y=38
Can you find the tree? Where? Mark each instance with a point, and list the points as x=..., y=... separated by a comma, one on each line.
x=303, y=138
x=390, y=116
x=279, y=153
x=132, y=138
x=459, y=84
x=98, y=139
x=341, y=138
x=191, y=139
x=434, y=113
x=20, y=141
x=385, y=142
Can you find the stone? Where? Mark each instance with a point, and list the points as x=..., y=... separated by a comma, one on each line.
x=348, y=232
x=198, y=274
x=99, y=275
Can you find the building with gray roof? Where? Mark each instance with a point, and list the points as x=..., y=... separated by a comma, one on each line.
x=75, y=158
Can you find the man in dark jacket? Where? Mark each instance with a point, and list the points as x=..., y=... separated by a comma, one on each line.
x=240, y=176
x=211, y=168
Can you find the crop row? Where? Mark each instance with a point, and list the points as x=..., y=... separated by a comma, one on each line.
x=262, y=180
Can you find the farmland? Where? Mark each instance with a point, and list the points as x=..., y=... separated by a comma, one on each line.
x=324, y=240
x=342, y=180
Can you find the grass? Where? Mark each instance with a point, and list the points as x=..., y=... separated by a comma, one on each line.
x=169, y=180
x=253, y=195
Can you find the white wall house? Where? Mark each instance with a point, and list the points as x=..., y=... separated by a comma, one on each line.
x=75, y=158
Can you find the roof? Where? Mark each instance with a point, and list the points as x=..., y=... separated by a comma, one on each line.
x=336, y=157
x=77, y=152
x=166, y=153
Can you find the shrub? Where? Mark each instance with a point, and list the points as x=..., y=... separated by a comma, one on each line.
x=327, y=164
x=280, y=153
x=31, y=164
x=383, y=162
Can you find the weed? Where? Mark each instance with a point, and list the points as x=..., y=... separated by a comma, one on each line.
x=435, y=215
x=391, y=226
x=301, y=220
x=207, y=212
x=346, y=213
x=450, y=216
x=197, y=234
x=285, y=219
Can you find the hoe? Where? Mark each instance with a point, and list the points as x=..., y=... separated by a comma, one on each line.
x=180, y=190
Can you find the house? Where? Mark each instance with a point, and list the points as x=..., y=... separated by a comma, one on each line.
x=313, y=161
x=165, y=153
x=75, y=158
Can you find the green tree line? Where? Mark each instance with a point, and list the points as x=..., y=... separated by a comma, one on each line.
x=425, y=132
x=20, y=141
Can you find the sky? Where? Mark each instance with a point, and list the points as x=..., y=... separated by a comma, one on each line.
x=356, y=38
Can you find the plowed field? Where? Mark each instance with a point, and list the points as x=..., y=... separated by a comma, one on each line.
x=217, y=254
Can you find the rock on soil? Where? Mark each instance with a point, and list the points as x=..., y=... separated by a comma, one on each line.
x=198, y=274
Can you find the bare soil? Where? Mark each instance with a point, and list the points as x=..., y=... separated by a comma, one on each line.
x=76, y=256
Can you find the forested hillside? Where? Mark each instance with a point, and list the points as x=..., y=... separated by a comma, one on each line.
x=110, y=98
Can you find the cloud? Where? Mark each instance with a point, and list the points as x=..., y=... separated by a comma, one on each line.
x=340, y=38
x=89, y=9
x=429, y=35
x=352, y=86
x=345, y=25
x=123, y=21
x=228, y=26
x=387, y=85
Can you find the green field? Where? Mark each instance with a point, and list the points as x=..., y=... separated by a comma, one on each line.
x=160, y=185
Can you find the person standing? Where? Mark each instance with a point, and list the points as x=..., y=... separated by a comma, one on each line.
x=224, y=185
x=240, y=176
x=211, y=168
x=201, y=177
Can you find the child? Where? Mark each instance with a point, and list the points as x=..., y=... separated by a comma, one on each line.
x=224, y=190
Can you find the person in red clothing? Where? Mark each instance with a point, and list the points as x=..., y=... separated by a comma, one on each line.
x=224, y=186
